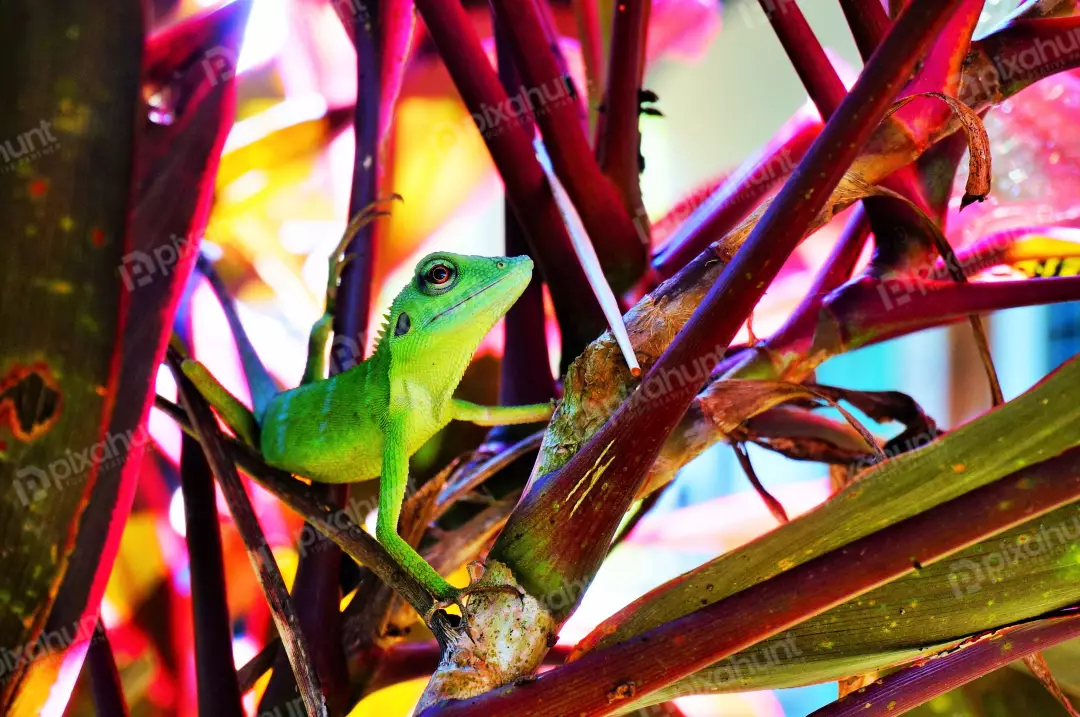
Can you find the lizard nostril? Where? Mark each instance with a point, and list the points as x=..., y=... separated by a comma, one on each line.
x=501, y=264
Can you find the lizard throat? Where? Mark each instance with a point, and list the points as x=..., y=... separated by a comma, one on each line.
x=471, y=296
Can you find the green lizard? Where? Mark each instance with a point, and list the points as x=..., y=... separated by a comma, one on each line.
x=364, y=423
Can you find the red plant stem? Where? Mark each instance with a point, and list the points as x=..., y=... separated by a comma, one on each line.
x=869, y=311
x=874, y=311
x=868, y=22
x=816, y=72
x=551, y=31
x=106, y=690
x=267, y=571
x=827, y=91
x=525, y=373
x=354, y=293
x=527, y=189
x=901, y=239
x=599, y=682
x=840, y=265
x=1001, y=49
x=545, y=561
x=1025, y=51
x=702, y=229
x=218, y=691
x=619, y=244
x=592, y=45
x=799, y=328
x=915, y=685
x=618, y=136
x=738, y=195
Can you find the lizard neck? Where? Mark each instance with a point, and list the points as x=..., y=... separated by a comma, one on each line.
x=429, y=370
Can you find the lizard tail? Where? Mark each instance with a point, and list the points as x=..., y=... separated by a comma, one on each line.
x=260, y=383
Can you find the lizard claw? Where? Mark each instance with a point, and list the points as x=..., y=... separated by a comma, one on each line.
x=443, y=604
x=476, y=585
x=364, y=217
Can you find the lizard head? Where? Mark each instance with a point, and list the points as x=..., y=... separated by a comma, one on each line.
x=454, y=300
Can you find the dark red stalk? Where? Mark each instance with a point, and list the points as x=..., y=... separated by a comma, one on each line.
x=902, y=239
x=808, y=57
x=871, y=311
x=354, y=293
x=551, y=31
x=826, y=91
x=738, y=195
x=525, y=371
x=247, y=524
x=618, y=136
x=602, y=681
x=217, y=688
x=592, y=47
x=840, y=265
x=868, y=22
x=527, y=190
x=940, y=71
x=798, y=331
x=915, y=685
x=621, y=247
x=106, y=689
x=528, y=545
x=1024, y=52
x=887, y=216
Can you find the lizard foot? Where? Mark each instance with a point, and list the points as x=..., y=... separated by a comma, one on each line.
x=364, y=217
x=477, y=584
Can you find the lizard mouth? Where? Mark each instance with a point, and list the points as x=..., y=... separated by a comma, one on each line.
x=473, y=295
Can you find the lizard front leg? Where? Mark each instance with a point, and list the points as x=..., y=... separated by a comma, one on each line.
x=501, y=415
x=392, y=486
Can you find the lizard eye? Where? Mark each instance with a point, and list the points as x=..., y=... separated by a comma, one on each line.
x=438, y=274
x=437, y=277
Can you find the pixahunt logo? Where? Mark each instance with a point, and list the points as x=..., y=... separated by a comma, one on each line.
x=30, y=145
x=33, y=483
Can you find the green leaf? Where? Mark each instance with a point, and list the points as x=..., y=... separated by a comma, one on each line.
x=70, y=90
x=1022, y=573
